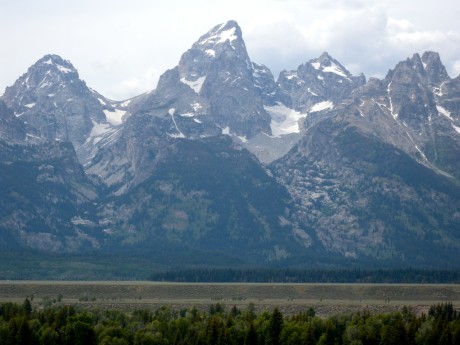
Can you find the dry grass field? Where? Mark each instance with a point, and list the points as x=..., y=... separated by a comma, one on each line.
x=326, y=299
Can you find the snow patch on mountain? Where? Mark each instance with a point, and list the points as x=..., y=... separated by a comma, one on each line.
x=114, y=117
x=335, y=69
x=311, y=92
x=321, y=106
x=210, y=52
x=228, y=35
x=284, y=120
x=98, y=131
x=179, y=134
x=44, y=83
x=196, y=106
x=64, y=69
x=243, y=139
x=220, y=37
x=438, y=90
x=195, y=85
x=59, y=67
x=395, y=115
x=292, y=75
x=126, y=103
x=316, y=65
x=457, y=129
x=444, y=112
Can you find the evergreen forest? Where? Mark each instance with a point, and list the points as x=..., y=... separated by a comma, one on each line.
x=65, y=324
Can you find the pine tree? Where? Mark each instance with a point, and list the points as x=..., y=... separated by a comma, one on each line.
x=27, y=306
x=275, y=328
x=251, y=336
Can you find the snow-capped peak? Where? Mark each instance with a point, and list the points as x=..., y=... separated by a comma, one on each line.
x=221, y=33
x=64, y=66
x=221, y=37
x=327, y=64
x=49, y=75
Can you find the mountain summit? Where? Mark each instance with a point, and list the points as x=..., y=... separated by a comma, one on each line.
x=317, y=167
x=213, y=84
x=316, y=85
x=54, y=102
x=377, y=175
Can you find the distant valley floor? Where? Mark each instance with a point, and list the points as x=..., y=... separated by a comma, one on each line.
x=325, y=299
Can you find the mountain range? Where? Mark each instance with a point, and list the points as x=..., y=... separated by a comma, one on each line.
x=221, y=163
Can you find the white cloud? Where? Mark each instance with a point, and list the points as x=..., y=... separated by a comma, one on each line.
x=456, y=68
x=395, y=26
x=403, y=33
x=403, y=38
x=348, y=34
x=135, y=86
x=121, y=47
x=420, y=38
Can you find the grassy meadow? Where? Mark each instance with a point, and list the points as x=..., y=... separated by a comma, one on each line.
x=326, y=299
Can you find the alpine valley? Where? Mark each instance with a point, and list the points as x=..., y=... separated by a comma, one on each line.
x=221, y=165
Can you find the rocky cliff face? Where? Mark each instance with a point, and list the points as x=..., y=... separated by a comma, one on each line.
x=43, y=190
x=11, y=128
x=214, y=84
x=363, y=176
x=413, y=111
x=360, y=172
x=214, y=90
x=57, y=105
x=205, y=195
x=297, y=100
x=317, y=85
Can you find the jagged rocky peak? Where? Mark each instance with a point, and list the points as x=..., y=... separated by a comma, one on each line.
x=435, y=70
x=428, y=68
x=53, y=64
x=220, y=55
x=327, y=63
x=213, y=84
x=410, y=96
x=416, y=100
x=224, y=41
x=47, y=75
x=58, y=64
x=228, y=33
x=54, y=102
x=372, y=88
x=317, y=85
x=234, y=99
x=264, y=82
x=406, y=72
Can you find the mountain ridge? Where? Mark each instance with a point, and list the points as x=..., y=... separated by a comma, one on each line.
x=318, y=166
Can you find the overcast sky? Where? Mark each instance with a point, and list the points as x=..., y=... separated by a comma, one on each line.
x=120, y=48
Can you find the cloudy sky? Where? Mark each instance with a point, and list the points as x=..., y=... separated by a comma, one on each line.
x=120, y=48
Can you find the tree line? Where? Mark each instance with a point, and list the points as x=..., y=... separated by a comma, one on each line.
x=69, y=325
x=230, y=275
